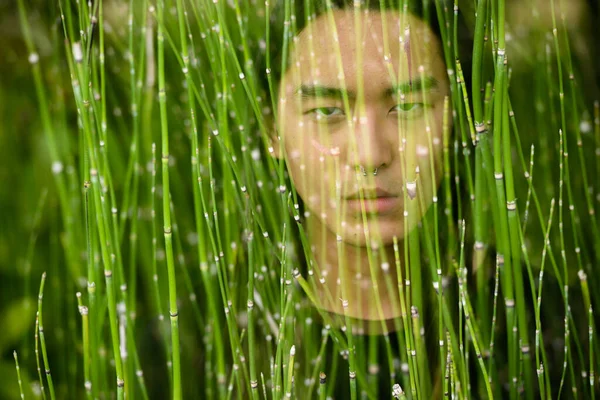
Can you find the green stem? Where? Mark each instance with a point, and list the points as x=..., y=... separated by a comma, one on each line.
x=18, y=374
x=43, y=339
x=85, y=333
x=173, y=310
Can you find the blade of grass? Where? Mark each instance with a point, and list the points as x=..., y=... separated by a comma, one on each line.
x=43, y=339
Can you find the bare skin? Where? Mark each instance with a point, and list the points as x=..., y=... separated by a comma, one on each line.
x=385, y=144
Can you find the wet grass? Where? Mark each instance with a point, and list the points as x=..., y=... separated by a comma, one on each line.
x=496, y=284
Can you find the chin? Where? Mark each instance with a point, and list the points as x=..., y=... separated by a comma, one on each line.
x=382, y=230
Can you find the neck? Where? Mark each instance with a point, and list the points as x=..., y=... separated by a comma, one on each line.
x=355, y=281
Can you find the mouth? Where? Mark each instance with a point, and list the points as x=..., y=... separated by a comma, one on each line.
x=376, y=201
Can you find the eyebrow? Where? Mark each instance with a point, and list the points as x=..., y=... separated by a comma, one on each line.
x=318, y=91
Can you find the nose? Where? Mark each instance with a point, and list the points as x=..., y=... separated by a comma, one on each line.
x=374, y=143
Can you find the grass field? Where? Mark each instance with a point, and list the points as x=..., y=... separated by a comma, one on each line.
x=152, y=247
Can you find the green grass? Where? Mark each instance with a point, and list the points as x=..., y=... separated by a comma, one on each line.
x=497, y=285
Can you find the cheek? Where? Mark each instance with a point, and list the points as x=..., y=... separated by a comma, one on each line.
x=315, y=175
x=307, y=165
x=309, y=149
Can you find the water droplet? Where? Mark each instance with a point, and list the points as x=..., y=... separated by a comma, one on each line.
x=77, y=52
x=57, y=167
x=585, y=127
x=397, y=391
x=411, y=187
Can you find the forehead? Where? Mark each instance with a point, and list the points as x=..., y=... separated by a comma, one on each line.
x=368, y=41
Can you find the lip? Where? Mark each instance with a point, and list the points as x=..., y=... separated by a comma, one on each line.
x=371, y=194
x=377, y=201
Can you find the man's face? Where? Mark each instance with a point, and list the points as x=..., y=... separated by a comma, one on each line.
x=392, y=69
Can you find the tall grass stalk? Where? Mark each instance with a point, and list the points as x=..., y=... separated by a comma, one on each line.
x=37, y=356
x=18, y=369
x=83, y=311
x=40, y=329
x=500, y=131
x=173, y=309
x=483, y=275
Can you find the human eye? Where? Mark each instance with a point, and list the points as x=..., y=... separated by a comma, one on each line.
x=325, y=113
x=408, y=109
